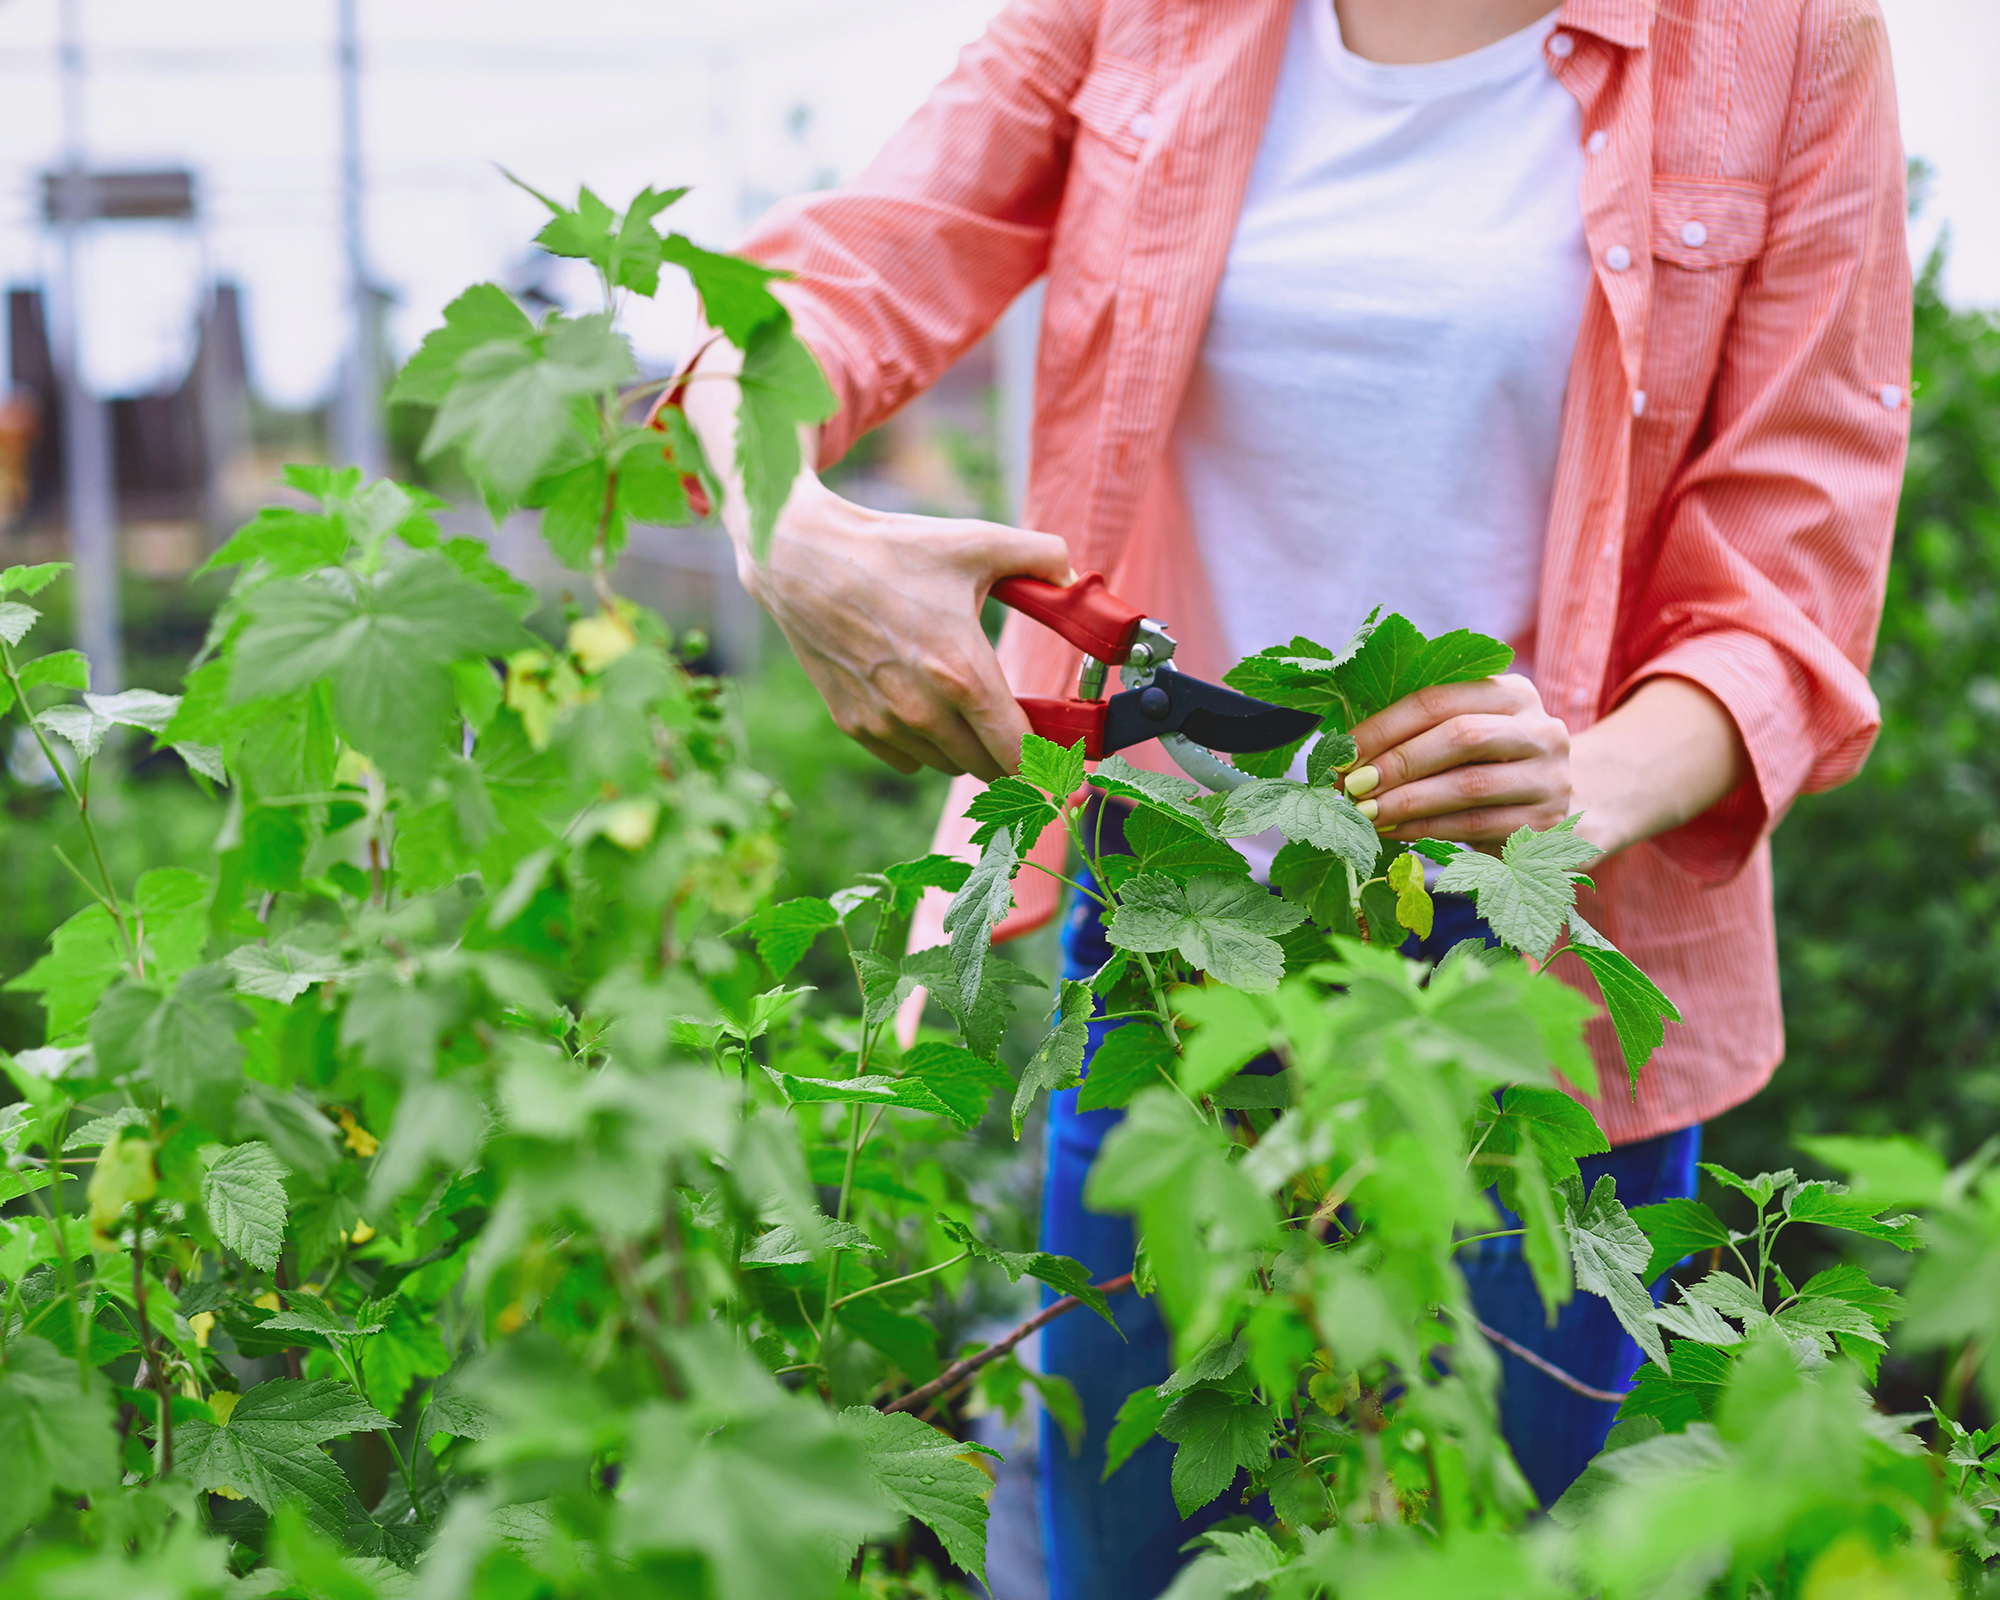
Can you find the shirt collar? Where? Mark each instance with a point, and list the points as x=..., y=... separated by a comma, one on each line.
x=1623, y=22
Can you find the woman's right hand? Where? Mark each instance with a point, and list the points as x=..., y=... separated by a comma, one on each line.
x=882, y=610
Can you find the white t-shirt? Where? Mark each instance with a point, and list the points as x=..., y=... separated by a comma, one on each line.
x=1374, y=413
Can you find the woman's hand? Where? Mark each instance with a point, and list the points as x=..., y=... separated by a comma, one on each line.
x=1470, y=762
x=882, y=611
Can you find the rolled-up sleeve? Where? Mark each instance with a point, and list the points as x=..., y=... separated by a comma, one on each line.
x=1768, y=582
x=898, y=273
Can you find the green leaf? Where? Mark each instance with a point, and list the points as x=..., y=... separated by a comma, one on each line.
x=1393, y=660
x=1057, y=772
x=962, y=1081
x=483, y=315
x=1526, y=895
x=1896, y=1171
x=1010, y=805
x=1639, y=1010
x=873, y=1090
x=1231, y=1029
x=1688, y=1394
x=186, y=1039
x=649, y=482
x=1305, y=815
x=1332, y=754
x=984, y=1021
x=976, y=910
x=1138, y=1420
x=516, y=410
x=54, y=1434
x=1758, y=1189
x=920, y=1472
x=1315, y=880
x=1133, y=1056
x=782, y=388
x=1677, y=1228
x=31, y=580
x=1831, y=1206
x=15, y=620
x=734, y=293
x=783, y=933
x=1844, y=1302
x=1117, y=776
x=1224, y=926
x=1165, y=841
x=85, y=726
x=280, y=972
x=1061, y=1273
x=1058, y=1060
x=269, y=1449
x=243, y=1193
x=63, y=669
x=407, y=1348
x=773, y=1500
x=1610, y=1252
x=1218, y=1433
x=385, y=643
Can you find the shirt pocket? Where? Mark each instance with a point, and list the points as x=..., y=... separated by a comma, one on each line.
x=1703, y=224
x=1114, y=122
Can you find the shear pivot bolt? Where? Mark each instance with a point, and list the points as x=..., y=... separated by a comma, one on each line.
x=1154, y=703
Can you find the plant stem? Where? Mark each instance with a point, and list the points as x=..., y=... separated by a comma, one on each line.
x=908, y=1277
x=840, y=1215
x=963, y=1369
x=155, y=1363
x=1477, y=1238
x=1061, y=877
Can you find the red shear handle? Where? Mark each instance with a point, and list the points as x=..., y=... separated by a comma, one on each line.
x=1086, y=613
x=1065, y=721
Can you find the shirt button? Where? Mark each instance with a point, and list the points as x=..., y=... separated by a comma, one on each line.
x=1596, y=142
x=1638, y=402
x=1892, y=397
x=1618, y=258
x=1693, y=234
x=1561, y=45
x=1142, y=125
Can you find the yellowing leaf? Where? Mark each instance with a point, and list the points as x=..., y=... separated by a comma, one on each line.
x=203, y=1324
x=362, y=1233
x=269, y=1301
x=598, y=641
x=123, y=1176
x=1413, y=900
x=222, y=1404
x=630, y=822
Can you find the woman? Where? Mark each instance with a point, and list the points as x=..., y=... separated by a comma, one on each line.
x=1586, y=329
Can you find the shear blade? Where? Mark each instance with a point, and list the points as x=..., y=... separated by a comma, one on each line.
x=1207, y=713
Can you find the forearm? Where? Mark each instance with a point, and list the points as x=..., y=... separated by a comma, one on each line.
x=710, y=401
x=1666, y=755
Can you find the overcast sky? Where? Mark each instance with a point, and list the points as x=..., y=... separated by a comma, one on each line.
x=745, y=99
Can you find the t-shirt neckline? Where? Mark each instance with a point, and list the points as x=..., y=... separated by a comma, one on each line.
x=1428, y=80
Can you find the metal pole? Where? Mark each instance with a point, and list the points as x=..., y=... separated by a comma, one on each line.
x=90, y=498
x=358, y=408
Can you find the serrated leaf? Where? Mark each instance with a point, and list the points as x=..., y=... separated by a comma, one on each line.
x=1164, y=841
x=1609, y=1252
x=1757, y=1190
x=1058, y=1060
x=963, y=1082
x=735, y=296
x=280, y=972
x=1332, y=754
x=1831, y=1206
x=782, y=388
x=1677, y=1228
x=385, y=644
x=783, y=933
x=15, y=620
x=243, y=1193
x=920, y=1472
x=31, y=580
x=1686, y=1395
x=1057, y=772
x=483, y=315
x=1117, y=776
x=268, y=1451
x=1526, y=895
x=1219, y=1434
x=1896, y=1171
x=787, y=1245
x=1137, y=1421
x=62, y=669
x=1639, y=1011
x=1315, y=880
x=1394, y=660
x=1061, y=1273
x=875, y=1089
x=1695, y=1319
x=1132, y=1057
x=1010, y=805
x=54, y=1433
x=1322, y=817
x=976, y=910
x=1226, y=927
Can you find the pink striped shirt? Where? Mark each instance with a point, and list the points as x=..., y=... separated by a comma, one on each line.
x=1732, y=439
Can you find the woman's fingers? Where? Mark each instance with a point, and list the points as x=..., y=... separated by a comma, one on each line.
x=1418, y=713
x=1539, y=785
x=1459, y=742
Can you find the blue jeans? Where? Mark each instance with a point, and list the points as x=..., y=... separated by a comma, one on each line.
x=1122, y=1540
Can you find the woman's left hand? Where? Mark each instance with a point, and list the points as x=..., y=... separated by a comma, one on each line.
x=1469, y=762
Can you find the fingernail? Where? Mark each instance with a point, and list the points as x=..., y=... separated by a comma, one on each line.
x=1362, y=780
x=1385, y=827
x=1367, y=808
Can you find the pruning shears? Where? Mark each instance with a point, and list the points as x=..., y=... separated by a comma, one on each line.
x=1191, y=717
